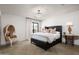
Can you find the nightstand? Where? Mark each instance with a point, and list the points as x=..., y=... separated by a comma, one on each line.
x=70, y=38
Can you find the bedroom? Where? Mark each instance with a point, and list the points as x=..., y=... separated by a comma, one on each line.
x=27, y=17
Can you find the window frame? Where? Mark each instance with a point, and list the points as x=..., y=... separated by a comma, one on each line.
x=33, y=27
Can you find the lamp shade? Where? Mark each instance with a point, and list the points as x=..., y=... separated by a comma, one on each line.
x=69, y=24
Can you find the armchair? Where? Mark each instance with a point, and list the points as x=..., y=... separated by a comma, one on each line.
x=9, y=35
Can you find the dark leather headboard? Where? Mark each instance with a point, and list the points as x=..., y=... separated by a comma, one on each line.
x=58, y=28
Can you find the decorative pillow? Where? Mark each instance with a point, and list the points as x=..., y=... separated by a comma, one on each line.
x=47, y=30
x=52, y=30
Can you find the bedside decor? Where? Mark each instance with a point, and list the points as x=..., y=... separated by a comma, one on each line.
x=69, y=24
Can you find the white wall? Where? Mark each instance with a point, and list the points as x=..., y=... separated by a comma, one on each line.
x=17, y=21
x=22, y=25
x=0, y=29
x=62, y=20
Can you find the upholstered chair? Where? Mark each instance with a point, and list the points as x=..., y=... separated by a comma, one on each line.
x=9, y=35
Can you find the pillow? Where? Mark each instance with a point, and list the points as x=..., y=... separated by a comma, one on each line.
x=57, y=32
x=52, y=30
x=47, y=30
x=43, y=30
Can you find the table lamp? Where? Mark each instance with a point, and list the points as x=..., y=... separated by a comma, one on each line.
x=69, y=24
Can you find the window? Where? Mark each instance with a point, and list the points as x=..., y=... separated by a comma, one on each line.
x=35, y=27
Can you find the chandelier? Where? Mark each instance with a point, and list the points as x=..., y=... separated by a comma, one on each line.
x=38, y=14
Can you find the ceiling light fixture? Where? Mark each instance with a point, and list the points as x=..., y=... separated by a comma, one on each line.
x=38, y=12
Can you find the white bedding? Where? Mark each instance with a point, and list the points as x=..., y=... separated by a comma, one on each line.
x=46, y=37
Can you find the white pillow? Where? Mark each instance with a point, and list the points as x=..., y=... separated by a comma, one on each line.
x=57, y=32
x=45, y=30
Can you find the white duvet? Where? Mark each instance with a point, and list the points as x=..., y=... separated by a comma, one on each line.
x=46, y=37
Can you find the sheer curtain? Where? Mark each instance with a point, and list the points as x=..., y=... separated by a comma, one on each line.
x=2, y=39
x=28, y=29
x=0, y=29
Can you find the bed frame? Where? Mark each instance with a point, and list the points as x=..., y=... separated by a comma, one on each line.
x=46, y=45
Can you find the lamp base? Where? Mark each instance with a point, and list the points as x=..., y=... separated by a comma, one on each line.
x=69, y=30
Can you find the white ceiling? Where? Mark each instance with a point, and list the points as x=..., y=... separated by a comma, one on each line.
x=47, y=10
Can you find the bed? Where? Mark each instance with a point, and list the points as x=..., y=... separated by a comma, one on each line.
x=43, y=42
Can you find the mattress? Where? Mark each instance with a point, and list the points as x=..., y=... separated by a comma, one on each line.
x=46, y=37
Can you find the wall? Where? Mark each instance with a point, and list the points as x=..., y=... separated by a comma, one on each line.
x=22, y=25
x=62, y=20
x=17, y=21
x=0, y=29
